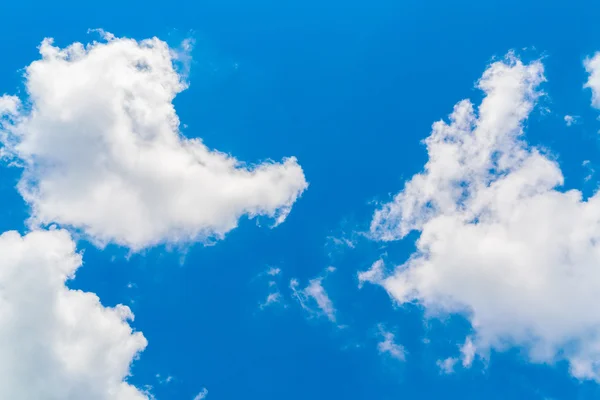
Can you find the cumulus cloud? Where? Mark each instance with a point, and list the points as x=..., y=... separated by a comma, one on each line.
x=389, y=346
x=499, y=242
x=58, y=343
x=8, y=105
x=98, y=138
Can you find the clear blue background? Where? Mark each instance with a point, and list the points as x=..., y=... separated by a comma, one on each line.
x=350, y=88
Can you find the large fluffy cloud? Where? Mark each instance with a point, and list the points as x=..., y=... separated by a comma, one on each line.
x=58, y=343
x=98, y=138
x=499, y=242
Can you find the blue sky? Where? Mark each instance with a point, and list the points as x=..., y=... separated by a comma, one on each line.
x=351, y=90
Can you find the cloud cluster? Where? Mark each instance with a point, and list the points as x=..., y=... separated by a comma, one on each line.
x=499, y=242
x=98, y=138
x=58, y=343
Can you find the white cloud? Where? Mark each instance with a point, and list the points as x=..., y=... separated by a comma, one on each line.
x=58, y=343
x=272, y=298
x=388, y=345
x=314, y=293
x=164, y=381
x=592, y=66
x=468, y=352
x=374, y=275
x=571, y=119
x=202, y=395
x=317, y=292
x=9, y=105
x=498, y=242
x=341, y=242
x=98, y=138
x=446, y=366
x=590, y=170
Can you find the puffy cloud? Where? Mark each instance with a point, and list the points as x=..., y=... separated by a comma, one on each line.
x=98, y=138
x=471, y=153
x=499, y=243
x=8, y=105
x=389, y=346
x=58, y=343
x=592, y=66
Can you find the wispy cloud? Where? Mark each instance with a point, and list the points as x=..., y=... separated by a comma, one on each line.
x=446, y=366
x=389, y=346
x=202, y=395
x=272, y=298
x=316, y=294
x=373, y=275
x=468, y=352
x=571, y=119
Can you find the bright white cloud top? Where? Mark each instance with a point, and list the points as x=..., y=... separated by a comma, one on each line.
x=58, y=343
x=498, y=241
x=98, y=138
